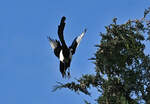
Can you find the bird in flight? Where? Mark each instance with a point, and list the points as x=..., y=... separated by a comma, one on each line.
x=62, y=51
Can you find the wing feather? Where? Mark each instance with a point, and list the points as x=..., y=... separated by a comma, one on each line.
x=53, y=43
x=76, y=42
x=55, y=46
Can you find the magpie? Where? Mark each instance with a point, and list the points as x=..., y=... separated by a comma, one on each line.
x=62, y=51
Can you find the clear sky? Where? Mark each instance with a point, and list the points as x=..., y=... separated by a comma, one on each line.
x=28, y=67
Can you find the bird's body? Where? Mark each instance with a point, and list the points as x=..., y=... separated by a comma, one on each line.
x=61, y=51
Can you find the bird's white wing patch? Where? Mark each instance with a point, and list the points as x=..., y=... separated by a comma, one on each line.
x=53, y=43
x=79, y=38
x=61, y=57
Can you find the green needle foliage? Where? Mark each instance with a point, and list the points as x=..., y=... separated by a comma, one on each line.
x=122, y=68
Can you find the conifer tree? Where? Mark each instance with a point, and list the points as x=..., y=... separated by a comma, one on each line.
x=122, y=68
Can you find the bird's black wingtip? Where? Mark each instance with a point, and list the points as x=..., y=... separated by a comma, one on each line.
x=49, y=38
x=85, y=30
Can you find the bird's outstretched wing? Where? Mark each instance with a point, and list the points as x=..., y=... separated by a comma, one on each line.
x=76, y=42
x=60, y=32
x=55, y=46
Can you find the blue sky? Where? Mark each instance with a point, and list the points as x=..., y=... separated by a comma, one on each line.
x=28, y=67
